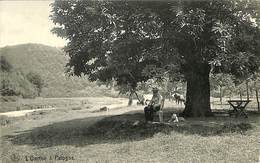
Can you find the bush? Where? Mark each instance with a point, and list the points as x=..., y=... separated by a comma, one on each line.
x=15, y=84
x=36, y=80
x=5, y=65
x=8, y=98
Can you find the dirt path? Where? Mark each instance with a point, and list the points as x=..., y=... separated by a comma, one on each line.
x=92, y=102
x=23, y=112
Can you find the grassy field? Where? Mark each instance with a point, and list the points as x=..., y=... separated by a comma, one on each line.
x=80, y=132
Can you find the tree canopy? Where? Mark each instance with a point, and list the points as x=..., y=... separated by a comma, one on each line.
x=133, y=41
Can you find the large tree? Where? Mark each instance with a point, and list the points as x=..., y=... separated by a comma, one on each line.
x=123, y=40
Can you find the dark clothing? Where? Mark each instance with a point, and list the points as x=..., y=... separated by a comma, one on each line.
x=156, y=109
x=149, y=111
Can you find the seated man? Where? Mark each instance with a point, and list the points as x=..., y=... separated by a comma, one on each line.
x=153, y=106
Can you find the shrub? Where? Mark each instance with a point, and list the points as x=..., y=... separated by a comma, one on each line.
x=36, y=80
x=15, y=84
x=5, y=65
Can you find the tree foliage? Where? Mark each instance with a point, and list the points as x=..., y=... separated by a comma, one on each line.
x=126, y=38
x=133, y=41
x=16, y=84
x=36, y=80
x=5, y=65
x=225, y=82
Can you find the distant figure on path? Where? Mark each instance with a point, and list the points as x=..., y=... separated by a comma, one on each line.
x=153, y=106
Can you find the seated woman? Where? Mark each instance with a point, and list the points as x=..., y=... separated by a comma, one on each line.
x=153, y=106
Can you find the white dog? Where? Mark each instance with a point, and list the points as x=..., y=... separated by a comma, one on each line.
x=174, y=118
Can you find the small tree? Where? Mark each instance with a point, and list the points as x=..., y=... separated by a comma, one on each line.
x=256, y=79
x=223, y=82
x=5, y=65
x=36, y=80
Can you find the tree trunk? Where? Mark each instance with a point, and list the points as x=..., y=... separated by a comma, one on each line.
x=137, y=96
x=247, y=91
x=38, y=92
x=257, y=99
x=240, y=94
x=220, y=94
x=130, y=99
x=198, y=92
x=112, y=86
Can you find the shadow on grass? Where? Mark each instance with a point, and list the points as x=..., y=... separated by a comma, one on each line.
x=122, y=128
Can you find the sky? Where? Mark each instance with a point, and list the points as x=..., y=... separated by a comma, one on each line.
x=24, y=21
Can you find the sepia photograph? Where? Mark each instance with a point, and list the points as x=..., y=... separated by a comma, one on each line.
x=130, y=81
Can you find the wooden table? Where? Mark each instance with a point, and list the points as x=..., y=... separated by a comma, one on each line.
x=239, y=107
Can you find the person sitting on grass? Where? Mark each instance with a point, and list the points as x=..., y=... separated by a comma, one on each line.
x=153, y=106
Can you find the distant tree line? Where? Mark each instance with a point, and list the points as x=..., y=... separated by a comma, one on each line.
x=16, y=83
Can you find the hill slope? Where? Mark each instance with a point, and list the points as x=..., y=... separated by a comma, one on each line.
x=50, y=63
